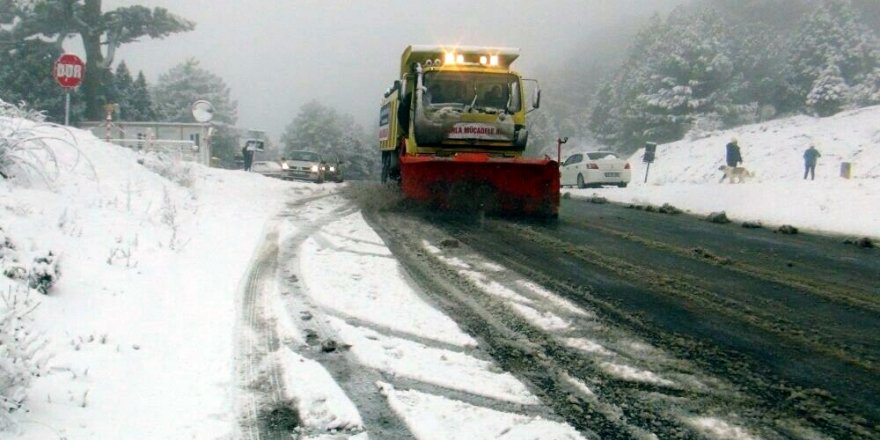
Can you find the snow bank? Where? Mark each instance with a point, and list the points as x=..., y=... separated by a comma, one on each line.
x=150, y=253
x=686, y=174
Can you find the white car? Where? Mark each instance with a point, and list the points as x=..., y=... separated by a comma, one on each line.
x=594, y=169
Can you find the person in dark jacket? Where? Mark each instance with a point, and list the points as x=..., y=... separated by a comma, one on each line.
x=811, y=155
x=248, y=156
x=734, y=158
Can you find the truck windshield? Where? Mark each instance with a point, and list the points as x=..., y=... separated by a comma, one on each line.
x=495, y=91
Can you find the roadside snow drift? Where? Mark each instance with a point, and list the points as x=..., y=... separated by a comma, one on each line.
x=139, y=324
x=685, y=174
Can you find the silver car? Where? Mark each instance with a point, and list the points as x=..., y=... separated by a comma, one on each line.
x=304, y=165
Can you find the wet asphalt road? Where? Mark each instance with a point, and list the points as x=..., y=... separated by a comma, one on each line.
x=792, y=321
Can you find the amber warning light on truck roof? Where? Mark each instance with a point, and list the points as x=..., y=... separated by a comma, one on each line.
x=438, y=56
x=450, y=58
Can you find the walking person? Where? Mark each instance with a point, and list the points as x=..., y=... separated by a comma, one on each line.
x=248, y=156
x=811, y=155
x=734, y=157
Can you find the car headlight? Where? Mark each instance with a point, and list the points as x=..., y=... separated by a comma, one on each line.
x=314, y=168
x=284, y=166
x=332, y=169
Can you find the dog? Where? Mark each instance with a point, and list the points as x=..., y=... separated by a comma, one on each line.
x=735, y=174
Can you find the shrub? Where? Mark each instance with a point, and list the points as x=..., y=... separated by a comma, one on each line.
x=44, y=273
x=27, y=151
x=21, y=354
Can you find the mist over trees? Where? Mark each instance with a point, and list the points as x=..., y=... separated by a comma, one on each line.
x=323, y=130
x=707, y=65
x=715, y=64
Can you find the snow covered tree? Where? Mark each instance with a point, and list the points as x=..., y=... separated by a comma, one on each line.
x=187, y=83
x=322, y=129
x=829, y=92
x=19, y=81
x=140, y=106
x=61, y=19
x=868, y=91
x=678, y=71
x=831, y=35
x=122, y=83
x=131, y=95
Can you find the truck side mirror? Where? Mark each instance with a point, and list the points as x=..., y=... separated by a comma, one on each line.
x=536, y=99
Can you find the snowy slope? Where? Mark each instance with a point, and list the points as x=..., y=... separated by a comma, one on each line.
x=152, y=255
x=149, y=276
x=685, y=174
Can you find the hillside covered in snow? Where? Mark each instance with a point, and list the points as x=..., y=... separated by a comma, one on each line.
x=686, y=175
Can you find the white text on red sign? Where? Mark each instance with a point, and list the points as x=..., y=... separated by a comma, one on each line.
x=68, y=71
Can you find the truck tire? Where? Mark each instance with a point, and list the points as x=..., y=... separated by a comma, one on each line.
x=386, y=166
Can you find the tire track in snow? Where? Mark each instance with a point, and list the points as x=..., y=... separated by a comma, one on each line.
x=259, y=375
x=358, y=382
x=264, y=413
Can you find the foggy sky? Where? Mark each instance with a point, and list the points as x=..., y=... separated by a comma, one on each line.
x=276, y=55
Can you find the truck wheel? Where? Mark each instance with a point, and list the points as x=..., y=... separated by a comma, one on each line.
x=386, y=166
x=581, y=183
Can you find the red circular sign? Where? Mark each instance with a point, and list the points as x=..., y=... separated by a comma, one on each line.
x=68, y=70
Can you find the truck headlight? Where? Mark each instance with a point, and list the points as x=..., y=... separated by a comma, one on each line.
x=332, y=169
x=314, y=168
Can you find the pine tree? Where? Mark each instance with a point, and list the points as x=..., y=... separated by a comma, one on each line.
x=100, y=32
x=829, y=92
x=122, y=88
x=140, y=106
x=832, y=34
x=25, y=77
x=678, y=71
x=186, y=83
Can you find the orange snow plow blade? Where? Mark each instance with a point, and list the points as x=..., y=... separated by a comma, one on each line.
x=477, y=181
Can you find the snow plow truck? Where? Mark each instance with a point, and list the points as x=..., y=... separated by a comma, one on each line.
x=452, y=132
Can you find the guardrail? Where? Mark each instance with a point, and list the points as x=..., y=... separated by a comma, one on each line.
x=182, y=150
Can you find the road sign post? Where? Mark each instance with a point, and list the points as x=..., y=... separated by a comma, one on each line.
x=68, y=72
x=648, y=158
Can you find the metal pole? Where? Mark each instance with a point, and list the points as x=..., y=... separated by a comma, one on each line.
x=646, y=171
x=67, y=107
x=109, y=121
x=559, y=142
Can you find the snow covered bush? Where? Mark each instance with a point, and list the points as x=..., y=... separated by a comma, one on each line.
x=22, y=354
x=9, y=265
x=171, y=168
x=44, y=273
x=868, y=91
x=26, y=151
x=20, y=111
x=829, y=93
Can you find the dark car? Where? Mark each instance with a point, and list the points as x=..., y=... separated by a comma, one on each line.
x=333, y=168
